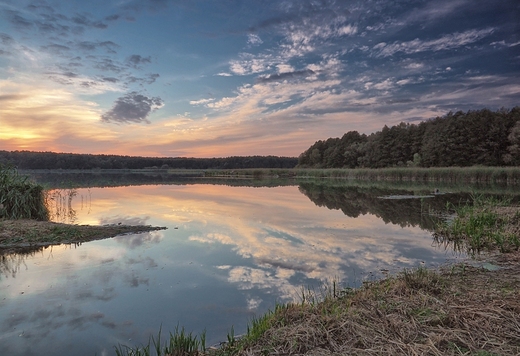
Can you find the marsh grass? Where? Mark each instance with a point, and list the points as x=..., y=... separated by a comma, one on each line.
x=19, y=197
x=506, y=175
x=483, y=224
x=179, y=343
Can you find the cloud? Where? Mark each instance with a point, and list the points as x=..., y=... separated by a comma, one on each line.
x=83, y=20
x=285, y=76
x=55, y=48
x=89, y=46
x=254, y=39
x=251, y=64
x=5, y=39
x=201, y=101
x=133, y=107
x=435, y=10
x=149, y=79
x=109, y=65
x=444, y=43
x=135, y=60
x=18, y=20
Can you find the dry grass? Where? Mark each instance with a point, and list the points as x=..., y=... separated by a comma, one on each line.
x=459, y=311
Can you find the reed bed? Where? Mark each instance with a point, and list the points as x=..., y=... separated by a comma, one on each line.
x=484, y=224
x=19, y=197
x=505, y=175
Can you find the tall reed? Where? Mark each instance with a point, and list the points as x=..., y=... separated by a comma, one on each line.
x=19, y=197
x=179, y=343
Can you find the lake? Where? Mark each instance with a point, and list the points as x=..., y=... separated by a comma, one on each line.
x=230, y=252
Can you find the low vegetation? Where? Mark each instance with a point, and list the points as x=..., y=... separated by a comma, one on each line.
x=486, y=224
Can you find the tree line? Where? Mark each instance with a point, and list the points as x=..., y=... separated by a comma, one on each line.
x=480, y=137
x=52, y=160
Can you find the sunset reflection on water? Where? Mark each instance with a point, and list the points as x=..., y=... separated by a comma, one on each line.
x=228, y=253
x=283, y=233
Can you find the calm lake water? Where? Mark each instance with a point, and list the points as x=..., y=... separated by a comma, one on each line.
x=229, y=253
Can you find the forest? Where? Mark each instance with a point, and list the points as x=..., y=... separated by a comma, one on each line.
x=52, y=160
x=480, y=137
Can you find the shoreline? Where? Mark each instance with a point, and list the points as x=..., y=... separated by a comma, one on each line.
x=25, y=233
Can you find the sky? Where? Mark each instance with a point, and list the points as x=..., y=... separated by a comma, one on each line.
x=218, y=78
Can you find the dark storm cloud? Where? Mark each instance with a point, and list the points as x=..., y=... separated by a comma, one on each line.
x=90, y=46
x=88, y=84
x=49, y=27
x=300, y=11
x=18, y=20
x=135, y=281
x=294, y=266
x=48, y=21
x=109, y=65
x=11, y=97
x=39, y=7
x=84, y=20
x=284, y=76
x=135, y=60
x=133, y=107
x=152, y=78
x=5, y=39
x=110, y=79
x=55, y=48
x=64, y=77
x=154, y=5
x=149, y=79
x=114, y=17
x=124, y=220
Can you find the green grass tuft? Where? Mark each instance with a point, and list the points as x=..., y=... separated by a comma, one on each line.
x=19, y=197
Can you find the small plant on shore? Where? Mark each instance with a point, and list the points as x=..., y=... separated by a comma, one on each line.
x=480, y=225
x=180, y=343
x=19, y=197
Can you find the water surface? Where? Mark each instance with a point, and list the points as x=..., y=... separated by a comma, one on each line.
x=229, y=253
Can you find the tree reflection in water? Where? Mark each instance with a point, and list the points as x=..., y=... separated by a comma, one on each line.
x=355, y=200
x=11, y=262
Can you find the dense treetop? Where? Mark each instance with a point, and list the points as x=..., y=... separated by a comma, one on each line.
x=51, y=160
x=481, y=137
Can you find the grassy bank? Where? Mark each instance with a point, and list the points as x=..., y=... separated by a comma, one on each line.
x=466, y=309
x=506, y=175
x=24, y=233
x=24, y=217
x=485, y=225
